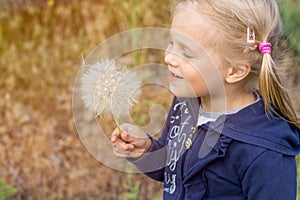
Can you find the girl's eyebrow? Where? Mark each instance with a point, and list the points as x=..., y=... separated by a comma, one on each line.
x=174, y=38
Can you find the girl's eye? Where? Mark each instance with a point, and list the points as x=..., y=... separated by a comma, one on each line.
x=187, y=55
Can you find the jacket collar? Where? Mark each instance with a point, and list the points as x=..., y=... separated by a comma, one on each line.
x=252, y=125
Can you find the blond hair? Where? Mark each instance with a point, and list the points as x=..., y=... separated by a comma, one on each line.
x=231, y=18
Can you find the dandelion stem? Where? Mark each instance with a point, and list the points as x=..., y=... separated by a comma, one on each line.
x=118, y=124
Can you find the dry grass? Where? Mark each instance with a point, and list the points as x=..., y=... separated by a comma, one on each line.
x=41, y=48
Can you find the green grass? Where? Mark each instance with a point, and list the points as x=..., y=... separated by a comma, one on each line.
x=6, y=191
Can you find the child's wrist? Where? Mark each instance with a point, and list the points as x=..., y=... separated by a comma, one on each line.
x=148, y=143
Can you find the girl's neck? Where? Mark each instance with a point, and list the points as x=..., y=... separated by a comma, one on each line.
x=227, y=102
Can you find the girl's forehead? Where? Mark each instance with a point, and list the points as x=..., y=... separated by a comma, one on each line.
x=187, y=17
x=190, y=22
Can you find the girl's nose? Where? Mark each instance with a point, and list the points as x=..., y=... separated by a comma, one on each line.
x=171, y=59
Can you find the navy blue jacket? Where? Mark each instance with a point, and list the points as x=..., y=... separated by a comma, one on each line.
x=246, y=155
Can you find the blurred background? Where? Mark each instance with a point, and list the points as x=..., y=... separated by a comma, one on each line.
x=42, y=44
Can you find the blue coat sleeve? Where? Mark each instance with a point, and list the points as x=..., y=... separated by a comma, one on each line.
x=153, y=162
x=271, y=176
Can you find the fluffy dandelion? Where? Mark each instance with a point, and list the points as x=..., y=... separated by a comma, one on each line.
x=107, y=84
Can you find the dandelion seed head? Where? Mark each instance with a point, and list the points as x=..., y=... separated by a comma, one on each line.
x=107, y=84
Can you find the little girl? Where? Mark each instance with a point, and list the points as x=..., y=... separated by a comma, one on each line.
x=231, y=132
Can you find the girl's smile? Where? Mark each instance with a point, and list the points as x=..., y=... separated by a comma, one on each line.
x=174, y=75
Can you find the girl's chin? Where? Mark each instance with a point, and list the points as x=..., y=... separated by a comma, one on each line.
x=181, y=91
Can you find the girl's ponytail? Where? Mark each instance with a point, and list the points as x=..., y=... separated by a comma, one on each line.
x=273, y=92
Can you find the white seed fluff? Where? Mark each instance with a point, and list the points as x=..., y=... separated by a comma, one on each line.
x=107, y=84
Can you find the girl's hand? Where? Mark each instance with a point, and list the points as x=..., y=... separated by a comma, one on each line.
x=132, y=142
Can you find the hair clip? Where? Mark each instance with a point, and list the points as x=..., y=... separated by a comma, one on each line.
x=250, y=36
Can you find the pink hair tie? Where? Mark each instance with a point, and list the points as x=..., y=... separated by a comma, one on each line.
x=265, y=48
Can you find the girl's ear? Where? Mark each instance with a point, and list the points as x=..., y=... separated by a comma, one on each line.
x=237, y=73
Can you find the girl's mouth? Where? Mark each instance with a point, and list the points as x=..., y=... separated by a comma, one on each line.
x=174, y=74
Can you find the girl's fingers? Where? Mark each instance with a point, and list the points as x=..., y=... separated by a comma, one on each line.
x=127, y=154
x=130, y=142
x=122, y=149
x=120, y=153
x=114, y=138
x=121, y=144
x=115, y=135
x=126, y=137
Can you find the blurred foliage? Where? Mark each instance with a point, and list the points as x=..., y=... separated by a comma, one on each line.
x=132, y=188
x=138, y=13
x=41, y=48
x=290, y=13
x=6, y=191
